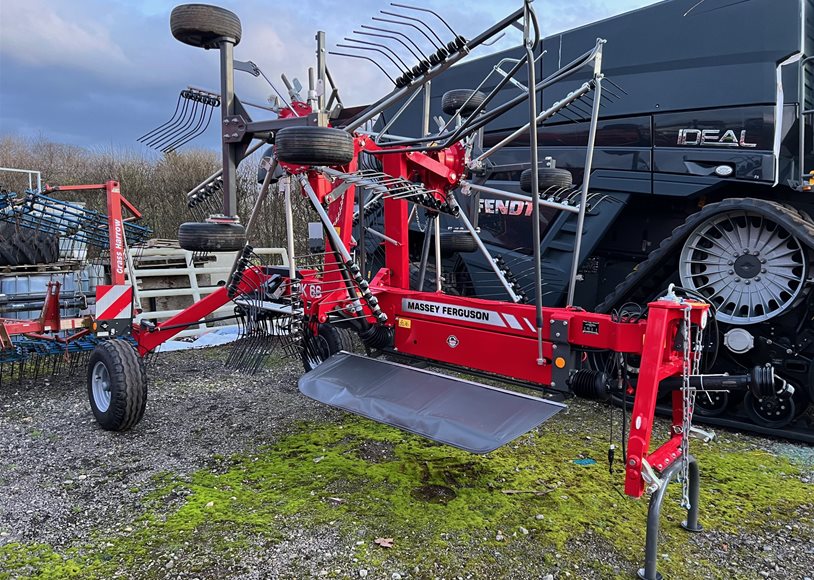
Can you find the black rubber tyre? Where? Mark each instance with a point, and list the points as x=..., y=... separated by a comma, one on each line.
x=24, y=246
x=328, y=340
x=453, y=100
x=211, y=237
x=314, y=146
x=774, y=412
x=429, y=281
x=546, y=177
x=117, y=385
x=202, y=25
x=457, y=241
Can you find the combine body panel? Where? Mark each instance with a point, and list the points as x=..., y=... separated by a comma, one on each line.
x=712, y=104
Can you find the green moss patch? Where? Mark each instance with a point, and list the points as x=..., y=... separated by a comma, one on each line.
x=446, y=509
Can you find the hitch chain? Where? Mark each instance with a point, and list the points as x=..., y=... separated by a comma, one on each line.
x=691, y=366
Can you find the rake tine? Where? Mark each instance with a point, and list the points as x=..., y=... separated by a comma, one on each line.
x=606, y=79
x=382, y=46
x=194, y=132
x=423, y=57
x=171, y=128
x=365, y=58
x=424, y=24
x=193, y=114
x=172, y=118
x=438, y=16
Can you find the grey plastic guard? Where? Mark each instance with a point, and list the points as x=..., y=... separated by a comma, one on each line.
x=467, y=415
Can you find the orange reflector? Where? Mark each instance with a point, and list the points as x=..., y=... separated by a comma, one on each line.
x=559, y=362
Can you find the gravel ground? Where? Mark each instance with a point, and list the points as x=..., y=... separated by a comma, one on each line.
x=65, y=482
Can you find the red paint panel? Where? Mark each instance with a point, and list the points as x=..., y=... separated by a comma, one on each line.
x=489, y=351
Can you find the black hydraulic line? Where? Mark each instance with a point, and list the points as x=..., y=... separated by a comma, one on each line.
x=364, y=58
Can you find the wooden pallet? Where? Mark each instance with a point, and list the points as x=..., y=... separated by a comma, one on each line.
x=56, y=268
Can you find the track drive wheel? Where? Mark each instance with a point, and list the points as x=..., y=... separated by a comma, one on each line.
x=203, y=26
x=748, y=265
x=320, y=345
x=117, y=385
x=211, y=236
x=314, y=146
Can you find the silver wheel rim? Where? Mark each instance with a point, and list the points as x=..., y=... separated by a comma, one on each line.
x=100, y=385
x=750, y=267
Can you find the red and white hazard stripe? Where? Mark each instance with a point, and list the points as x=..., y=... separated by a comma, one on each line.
x=114, y=302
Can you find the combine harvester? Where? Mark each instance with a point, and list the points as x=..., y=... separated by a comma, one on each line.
x=345, y=162
x=701, y=177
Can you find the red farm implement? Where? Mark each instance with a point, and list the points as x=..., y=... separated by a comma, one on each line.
x=344, y=161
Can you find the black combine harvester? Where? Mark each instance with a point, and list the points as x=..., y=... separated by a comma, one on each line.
x=702, y=176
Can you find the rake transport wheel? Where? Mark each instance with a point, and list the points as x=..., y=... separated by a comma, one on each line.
x=547, y=177
x=203, y=26
x=211, y=236
x=453, y=101
x=314, y=146
x=117, y=385
x=748, y=265
x=712, y=403
x=328, y=340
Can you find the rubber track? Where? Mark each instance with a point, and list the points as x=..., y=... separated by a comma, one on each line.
x=129, y=365
x=646, y=280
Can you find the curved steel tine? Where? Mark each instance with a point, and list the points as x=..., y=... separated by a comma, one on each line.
x=438, y=16
x=177, y=106
x=364, y=58
x=410, y=40
x=189, y=135
x=180, y=120
x=387, y=48
x=352, y=47
x=424, y=24
x=201, y=130
x=404, y=44
x=181, y=135
x=193, y=114
x=391, y=21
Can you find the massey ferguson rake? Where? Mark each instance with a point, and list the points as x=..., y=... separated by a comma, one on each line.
x=345, y=161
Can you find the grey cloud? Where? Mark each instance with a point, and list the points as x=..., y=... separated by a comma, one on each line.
x=103, y=72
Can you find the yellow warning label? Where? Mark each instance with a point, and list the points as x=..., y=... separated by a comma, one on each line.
x=405, y=323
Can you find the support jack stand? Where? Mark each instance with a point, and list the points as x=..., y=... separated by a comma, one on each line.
x=691, y=524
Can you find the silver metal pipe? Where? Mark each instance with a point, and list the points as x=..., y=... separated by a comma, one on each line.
x=550, y=112
x=383, y=132
x=521, y=197
x=336, y=241
x=535, y=185
x=261, y=197
x=437, y=231
x=489, y=259
x=586, y=180
x=219, y=172
x=227, y=101
x=289, y=228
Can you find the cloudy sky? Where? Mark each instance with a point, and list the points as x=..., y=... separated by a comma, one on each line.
x=102, y=72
